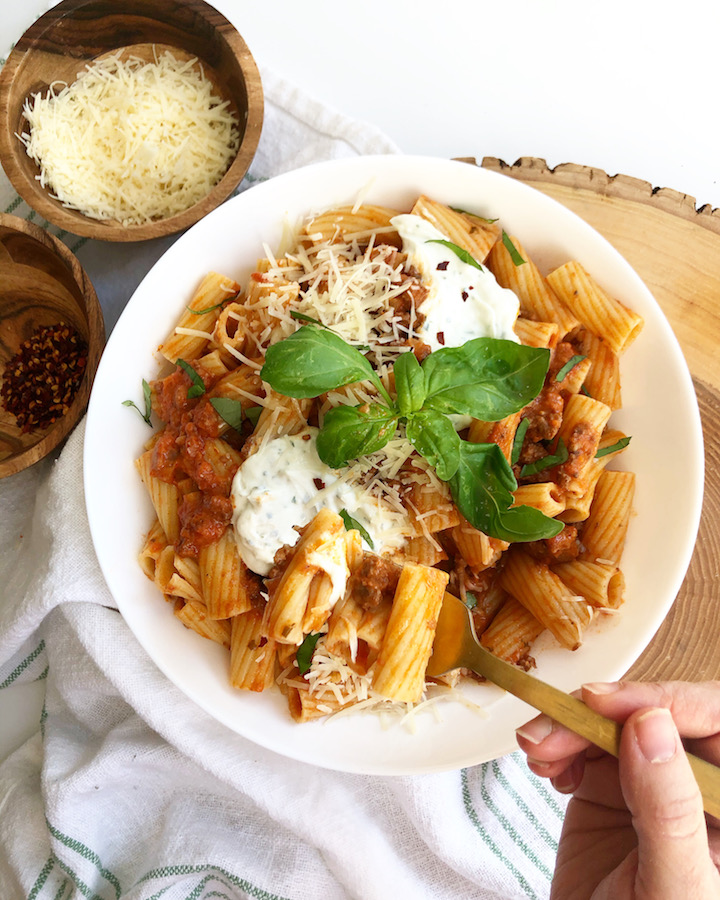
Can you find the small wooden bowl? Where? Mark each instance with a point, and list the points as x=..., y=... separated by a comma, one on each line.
x=77, y=32
x=42, y=284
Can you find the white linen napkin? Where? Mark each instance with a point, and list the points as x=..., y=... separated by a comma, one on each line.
x=128, y=791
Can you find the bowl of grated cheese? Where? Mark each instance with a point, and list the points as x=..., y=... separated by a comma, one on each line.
x=129, y=121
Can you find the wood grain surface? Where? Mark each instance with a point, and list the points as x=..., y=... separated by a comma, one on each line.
x=675, y=248
x=42, y=283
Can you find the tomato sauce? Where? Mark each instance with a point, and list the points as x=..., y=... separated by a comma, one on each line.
x=181, y=457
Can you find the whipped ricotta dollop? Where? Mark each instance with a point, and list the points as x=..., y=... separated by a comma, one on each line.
x=285, y=484
x=463, y=302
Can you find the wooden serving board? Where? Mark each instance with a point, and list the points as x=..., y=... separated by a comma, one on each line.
x=675, y=248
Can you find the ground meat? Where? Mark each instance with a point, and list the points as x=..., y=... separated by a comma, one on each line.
x=562, y=354
x=545, y=414
x=374, y=580
x=564, y=547
x=581, y=446
x=203, y=520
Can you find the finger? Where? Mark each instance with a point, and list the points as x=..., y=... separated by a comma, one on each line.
x=545, y=740
x=663, y=797
x=556, y=769
x=695, y=708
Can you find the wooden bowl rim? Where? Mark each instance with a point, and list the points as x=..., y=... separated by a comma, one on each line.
x=11, y=465
x=75, y=222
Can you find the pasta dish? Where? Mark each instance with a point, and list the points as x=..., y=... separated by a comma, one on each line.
x=397, y=403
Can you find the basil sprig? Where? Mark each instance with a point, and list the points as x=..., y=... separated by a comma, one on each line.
x=485, y=378
x=147, y=398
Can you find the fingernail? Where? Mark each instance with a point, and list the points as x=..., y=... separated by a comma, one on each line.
x=602, y=687
x=565, y=782
x=656, y=735
x=537, y=730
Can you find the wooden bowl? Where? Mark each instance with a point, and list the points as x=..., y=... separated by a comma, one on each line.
x=76, y=32
x=42, y=284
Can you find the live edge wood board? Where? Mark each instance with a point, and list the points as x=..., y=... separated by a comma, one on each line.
x=675, y=248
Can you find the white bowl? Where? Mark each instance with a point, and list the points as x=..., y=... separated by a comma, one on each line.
x=659, y=402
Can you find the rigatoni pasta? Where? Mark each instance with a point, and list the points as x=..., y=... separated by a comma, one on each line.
x=312, y=507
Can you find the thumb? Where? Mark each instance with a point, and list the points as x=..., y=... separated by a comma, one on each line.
x=664, y=799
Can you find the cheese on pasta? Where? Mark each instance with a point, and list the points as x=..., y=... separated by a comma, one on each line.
x=284, y=484
x=132, y=140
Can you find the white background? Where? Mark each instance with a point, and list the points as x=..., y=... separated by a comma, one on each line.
x=629, y=87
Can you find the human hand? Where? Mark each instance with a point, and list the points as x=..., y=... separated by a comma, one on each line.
x=635, y=827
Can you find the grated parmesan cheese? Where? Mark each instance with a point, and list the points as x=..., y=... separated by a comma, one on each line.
x=131, y=140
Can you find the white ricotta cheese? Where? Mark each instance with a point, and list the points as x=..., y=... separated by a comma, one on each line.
x=285, y=484
x=464, y=302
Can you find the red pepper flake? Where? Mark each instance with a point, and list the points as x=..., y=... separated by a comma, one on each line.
x=441, y=337
x=41, y=380
x=442, y=266
x=319, y=483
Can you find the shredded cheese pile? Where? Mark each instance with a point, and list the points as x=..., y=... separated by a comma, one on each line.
x=132, y=140
x=351, y=290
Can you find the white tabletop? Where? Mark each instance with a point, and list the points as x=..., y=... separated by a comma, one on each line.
x=629, y=88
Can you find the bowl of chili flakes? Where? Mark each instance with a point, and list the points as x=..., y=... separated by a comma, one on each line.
x=51, y=336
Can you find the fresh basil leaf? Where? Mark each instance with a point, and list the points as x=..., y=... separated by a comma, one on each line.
x=570, y=364
x=148, y=403
x=197, y=388
x=482, y=490
x=231, y=411
x=486, y=378
x=518, y=441
x=305, y=651
x=434, y=437
x=512, y=250
x=312, y=361
x=546, y=462
x=253, y=413
x=409, y=384
x=351, y=524
x=618, y=445
x=352, y=431
x=470, y=600
x=458, y=251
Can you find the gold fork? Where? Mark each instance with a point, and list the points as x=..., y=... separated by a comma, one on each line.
x=456, y=646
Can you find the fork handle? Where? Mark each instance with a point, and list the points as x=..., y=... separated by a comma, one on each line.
x=578, y=717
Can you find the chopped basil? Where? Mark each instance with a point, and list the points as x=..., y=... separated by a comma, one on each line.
x=231, y=411
x=518, y=441
x=570, y=364
x=512, y=250
x=303, y=318
x=351, y=524
x=458, y=251
x=148, y=403
x=201, y=312
x=466, y=212
x=253, y=414
x=470, y=600
x=547, y=462
x=305, y=652
x=197, y=388
x=618, y=445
